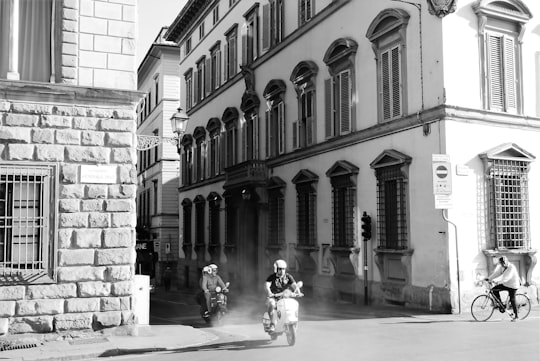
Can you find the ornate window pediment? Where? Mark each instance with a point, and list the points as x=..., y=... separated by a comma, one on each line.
x=390, y=157
x=508, y=151
x=305, y=176
x=340, y=168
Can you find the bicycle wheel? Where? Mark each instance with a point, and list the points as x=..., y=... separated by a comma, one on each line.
x=523, y=305
x=482, y=308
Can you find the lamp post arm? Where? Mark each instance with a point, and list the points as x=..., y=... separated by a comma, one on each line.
x=145, y=142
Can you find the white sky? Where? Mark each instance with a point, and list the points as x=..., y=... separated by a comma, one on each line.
x=153, y=15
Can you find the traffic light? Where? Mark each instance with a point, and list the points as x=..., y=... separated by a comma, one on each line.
x=366, y=226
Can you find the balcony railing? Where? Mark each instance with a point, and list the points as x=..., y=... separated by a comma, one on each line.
x=251, y=172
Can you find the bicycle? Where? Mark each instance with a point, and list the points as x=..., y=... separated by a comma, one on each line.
x=483, y=306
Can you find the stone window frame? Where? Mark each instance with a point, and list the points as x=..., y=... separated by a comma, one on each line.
x=304, y=79
x=200, y=208
x=276, y=140
x=306, y=11
x=388, y=36
x=306, y=207
x=214, y=129
x=186, y=160
x=502, y=84
x=199, y=158
x=250, y=37
x=188, y=81
x=276, y=211
x=230, y=68
x=230, y=119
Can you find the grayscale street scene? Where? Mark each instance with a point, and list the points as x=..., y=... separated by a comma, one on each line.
x=257, y=180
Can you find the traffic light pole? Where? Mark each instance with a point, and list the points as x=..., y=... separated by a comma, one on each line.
x=365, y=273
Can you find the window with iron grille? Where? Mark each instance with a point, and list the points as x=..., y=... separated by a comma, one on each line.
x=509, y=203
x=27, y=221
x=187, y=208
x=276, y=217
x=199, y=221
x=343, y=200
x=213, y=220
x=306, y=200
x=391, y=208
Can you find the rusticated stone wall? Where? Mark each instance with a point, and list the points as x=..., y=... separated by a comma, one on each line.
x=93, y=278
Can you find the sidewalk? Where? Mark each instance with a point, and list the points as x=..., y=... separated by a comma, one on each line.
x=142, y=339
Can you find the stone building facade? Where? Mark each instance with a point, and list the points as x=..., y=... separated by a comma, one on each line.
x=67, y=173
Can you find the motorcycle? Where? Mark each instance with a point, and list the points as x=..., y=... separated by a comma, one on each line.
x=285, y=315
x=218, y=305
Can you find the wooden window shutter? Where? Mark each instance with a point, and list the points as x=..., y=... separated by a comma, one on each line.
x=218, y=68
x=310, y=127
x=255, y=137
x=510, y=85
x=266, y=28
x=196, y=87
x=226, y=63
x=396, y=82
x=328, y=108
x=222, y=151
x=496, y=96
x=244, y=141
x=234, y=65
x=345, y=102
x=385, y=85
x=208, y=76
x=281, y=127
x=268, y=133
x=244, y=48
x=295, y=134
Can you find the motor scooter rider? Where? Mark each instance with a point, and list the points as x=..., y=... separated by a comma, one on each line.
x=275, y=284
x=209, y=284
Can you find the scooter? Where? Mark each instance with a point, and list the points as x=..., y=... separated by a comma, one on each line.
x=218, y=305
x=285, y=314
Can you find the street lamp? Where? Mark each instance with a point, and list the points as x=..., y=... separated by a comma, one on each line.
x=178, y=124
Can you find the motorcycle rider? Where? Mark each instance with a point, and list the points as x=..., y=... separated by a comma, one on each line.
x=276, y=283
x=209, y=284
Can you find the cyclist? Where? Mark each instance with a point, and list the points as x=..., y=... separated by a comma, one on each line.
x=507, y=278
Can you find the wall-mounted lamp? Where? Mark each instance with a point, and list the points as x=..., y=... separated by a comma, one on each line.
x=178, y=125
x=246, y=194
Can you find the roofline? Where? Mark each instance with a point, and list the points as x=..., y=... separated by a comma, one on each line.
x=189, y=12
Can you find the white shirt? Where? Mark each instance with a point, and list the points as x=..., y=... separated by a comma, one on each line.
x=508, y=276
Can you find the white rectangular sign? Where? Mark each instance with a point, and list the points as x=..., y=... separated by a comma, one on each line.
x=443, y=201
x=442, y=174
x=104, y=174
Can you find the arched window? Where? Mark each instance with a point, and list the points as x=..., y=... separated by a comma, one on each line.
x=199, y=134
x=304, y=129
x=230, y=119
x=387, y=34
x=339, y=89
x=187, y=159
x=214, y=145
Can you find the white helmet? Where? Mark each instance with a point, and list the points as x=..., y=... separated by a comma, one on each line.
x=207, y=270
x=279, y=264
x=212, y=267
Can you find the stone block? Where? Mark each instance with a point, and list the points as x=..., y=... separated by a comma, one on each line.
x=69, y=173
x=4, y=106
x=73, y=321
x=97, y=191
x=119, y=205
x=85, y=123
x=123, y=220
x=71, y=4
x=72, y=191
x=7, y=308
x=119, y=273
x=118, y=238
x=114, y=256
x=65, y=237
x=9, y=293
x=82, y=305
x=98, y=220
x=128, y=318
x=20, y=152
x=122, y=191
x=88, y=238
x=15, y=135
x=69, y=72
x=93, y=138
x=100, y=112
x=73, y=220
x=92, y=205
x=69, y=37
x=69, y=25
x=56, y=121
x=120, y=62
x=128, y=47
x=69, y=49
x=110, y=304
x=119, y=139
x=81, y=274
x=24, y=120
x=108, y=10
x=94, y=289
x=86, y=42
x=52, y=291
x=75, y=257
x=129, y=13
x=123, y=288
x=122, y=29
x=91, y=25
x=107, y=319
x=117, y=125
x=31, y=108
x=86, y=77
x=50, y=153
x=92, y=59
x=70, y=14
x=43, y=136
x=123, y=155
x=70, y=205
x=108, y=44
x=117, y=79
x=40, y=324
x=87, y=154
x=69, y=60
x=39, y=307
x=127, y=174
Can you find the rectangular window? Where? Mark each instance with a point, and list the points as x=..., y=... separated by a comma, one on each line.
x=215, y=67
x=156, y=89
x=199, y=223
x=215, y=15
x=187, y=46
x=156, y=196
x=390, y=72
x=201, y=31
x=187, y=210
x=509, y=204
x=304, y=129
x=213, y=221
x=187, y=165
x=502, y=72
x=251, y=37
x=391, y=208
x=276, y=218
x=305, y=215
x=214, y=155
x=26, y=40
x=231, y=147
x=275, y=130
x=231, y=55
x=338, y=95
x=189, y=89
x=306, y=11
x=250, y=137
x=27, y=220
x=343, y=204
x=200, y=80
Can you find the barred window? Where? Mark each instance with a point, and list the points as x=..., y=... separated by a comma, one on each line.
x=306, y=211
x=187, y=207
x=391, y=208
x=214, y=202
x=509, y=203
x=27, y=220
x=199, y=220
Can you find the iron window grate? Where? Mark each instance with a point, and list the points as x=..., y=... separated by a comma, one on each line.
x=391, y=208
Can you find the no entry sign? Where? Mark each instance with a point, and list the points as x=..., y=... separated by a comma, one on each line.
x=442, y=181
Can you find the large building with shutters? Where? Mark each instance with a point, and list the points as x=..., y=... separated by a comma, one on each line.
x=306, y=115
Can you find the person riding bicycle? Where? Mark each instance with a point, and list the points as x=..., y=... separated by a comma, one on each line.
x=275, y=284
x=507, y=278
x=209, y=284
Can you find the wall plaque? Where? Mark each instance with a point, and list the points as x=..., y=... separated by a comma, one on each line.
x=105, y=174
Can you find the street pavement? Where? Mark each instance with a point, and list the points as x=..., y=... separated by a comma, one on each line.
x=178, y=335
